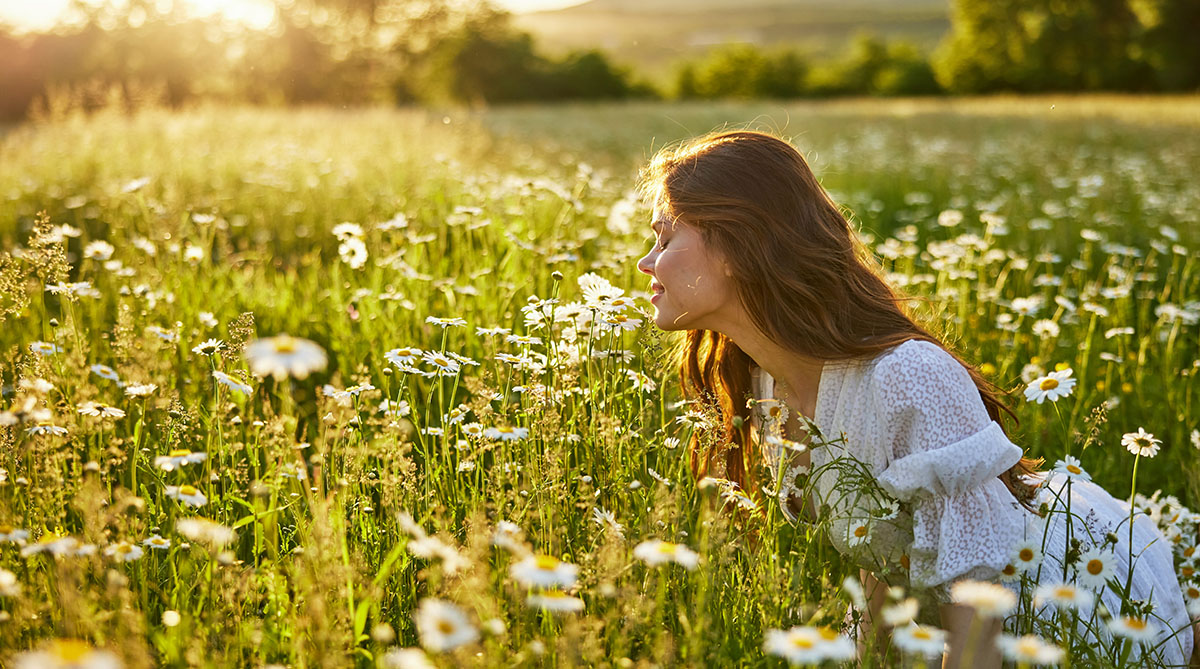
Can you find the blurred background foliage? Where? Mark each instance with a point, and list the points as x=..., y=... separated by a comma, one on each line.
x=351, y=52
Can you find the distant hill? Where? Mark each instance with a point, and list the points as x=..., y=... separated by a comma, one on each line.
x=651, y=35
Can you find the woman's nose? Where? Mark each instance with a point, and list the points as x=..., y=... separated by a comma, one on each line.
x=646, y=264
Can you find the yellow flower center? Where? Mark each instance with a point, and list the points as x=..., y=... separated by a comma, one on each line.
x=187, y=490
x=1074, y=470
x=445, y=627
x=1009, y=570
x=1094, y=567
x=70, y=650
x=1135, y=624
x=860, y=531
x=1027, y=647
x=1048, y=384
x=546, y=562
x=922, y=634
x=827, y=633
x=284, y=344
x=1193, y=592
x=179, y=453
x=667, y=548
x=505, y=430
x=802, y=642
x=1063, y=592
x=1187, y=571
x=1026, y=554
x=124, y=548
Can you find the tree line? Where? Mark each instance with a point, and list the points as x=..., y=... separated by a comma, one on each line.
x=432, y=51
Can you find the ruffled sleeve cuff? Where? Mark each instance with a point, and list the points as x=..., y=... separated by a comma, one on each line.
x=952, y=469
x=966, y=535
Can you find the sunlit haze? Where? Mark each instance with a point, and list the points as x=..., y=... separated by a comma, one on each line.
x=29, y=15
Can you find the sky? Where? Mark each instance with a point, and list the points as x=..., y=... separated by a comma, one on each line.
x=40, y=14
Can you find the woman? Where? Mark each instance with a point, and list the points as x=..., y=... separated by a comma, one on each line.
x=781, y=302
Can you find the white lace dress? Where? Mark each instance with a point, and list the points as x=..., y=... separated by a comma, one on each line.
x=911, y=422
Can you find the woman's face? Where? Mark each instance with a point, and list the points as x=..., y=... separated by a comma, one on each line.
x=693, y=289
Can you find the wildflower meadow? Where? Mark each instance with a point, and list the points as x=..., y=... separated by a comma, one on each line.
x=322, y=388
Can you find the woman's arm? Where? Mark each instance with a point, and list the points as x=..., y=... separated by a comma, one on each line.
x=972, y=642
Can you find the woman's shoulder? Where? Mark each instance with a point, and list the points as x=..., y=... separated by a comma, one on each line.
x=918, y=366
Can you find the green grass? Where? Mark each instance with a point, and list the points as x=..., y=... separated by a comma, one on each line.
x=502, y=206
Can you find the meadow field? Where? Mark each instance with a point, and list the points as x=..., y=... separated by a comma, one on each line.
x=323, y=387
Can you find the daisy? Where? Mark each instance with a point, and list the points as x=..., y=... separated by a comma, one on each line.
x=462, y=359
x=621, y=321
x=1063, y=596
x=123, y=551
x=508, y=536
x=544, y=571
x=345, y=230
x=523, y=340
x=1052, y=386
x=493, y=332
x=208, y=347
x=140, y=389
x=1094, y=568
x=608, y=520
x=597, y=291
x=858, y=533
x=9, y=585
x=1029, y=649
x=232, y=383
x=1046, y=329
x=506, y=433
x=67, y=653
x=206, y=531
x=554, y=600
x=1027, y=556
x=655, y=552
x=914, y=639
x=46, y=427
x=1136, y=629
x=1195, y=437
x=163, y=333
x=157, y=542
x=405, y=658
x=659, y=477
x=98, y=250
x=901, y=613
x=739, y=498
x=54, y=544
x=187, y=494
x=12, y=534
x=988, y=599
x=1010, y=574
x=44, y=348
x=444, y=364
x=1070, y=466
x=1141, y=443
x=177, y=458
x=353, y=252
x=445, y=322
x=282, y=356
x=102, y=410
x=443, y=626
x=105, y=372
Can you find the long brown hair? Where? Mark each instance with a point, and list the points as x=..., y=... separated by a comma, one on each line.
x=803, y=275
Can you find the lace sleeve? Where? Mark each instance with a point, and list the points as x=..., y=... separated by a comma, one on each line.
x=945, y=455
